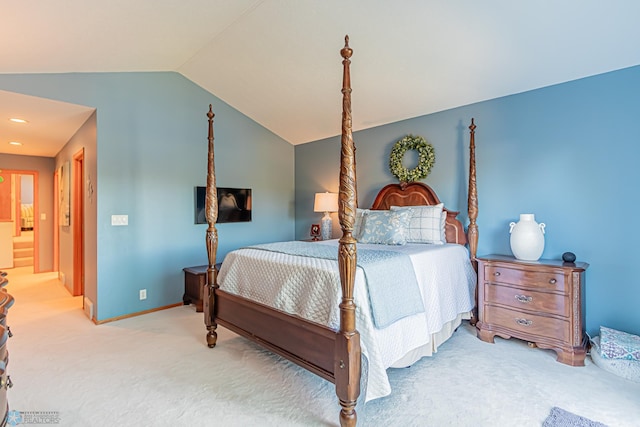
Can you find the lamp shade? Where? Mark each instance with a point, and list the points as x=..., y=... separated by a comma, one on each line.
x=326, y=202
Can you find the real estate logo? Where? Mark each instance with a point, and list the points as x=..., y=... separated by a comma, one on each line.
x=15, y=418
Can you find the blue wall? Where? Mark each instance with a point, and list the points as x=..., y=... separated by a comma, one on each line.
x=26, y=189
x=567, y=153
x=152, y=150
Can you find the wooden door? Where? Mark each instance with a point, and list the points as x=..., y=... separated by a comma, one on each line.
x=5, y=196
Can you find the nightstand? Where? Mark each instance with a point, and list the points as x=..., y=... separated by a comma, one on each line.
x=194, y=280
x=541, y=302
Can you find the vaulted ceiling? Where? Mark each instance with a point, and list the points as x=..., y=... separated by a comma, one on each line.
x=278, y=62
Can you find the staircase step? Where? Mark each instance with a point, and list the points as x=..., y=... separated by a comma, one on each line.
x=22, y=253
x=21, y=244
x=23, y=262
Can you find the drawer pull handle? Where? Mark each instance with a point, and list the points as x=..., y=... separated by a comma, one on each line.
x=524, y=322
x=497, y=273
x=524, y=299
x=552, y=281
x=6, y=384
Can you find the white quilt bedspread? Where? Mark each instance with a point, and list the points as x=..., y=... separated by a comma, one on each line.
x=310, y=288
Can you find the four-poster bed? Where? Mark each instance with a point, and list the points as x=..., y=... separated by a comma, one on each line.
x=331, y=347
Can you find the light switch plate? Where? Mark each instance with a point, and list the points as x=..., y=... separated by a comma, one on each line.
x=119, y=219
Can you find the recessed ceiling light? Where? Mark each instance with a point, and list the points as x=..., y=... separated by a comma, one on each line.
x=16, y=120
x=15, y=143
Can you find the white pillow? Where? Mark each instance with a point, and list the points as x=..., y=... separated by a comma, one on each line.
x=443, y=225
x=358, y=225
x=385, y=227
x=426, y=224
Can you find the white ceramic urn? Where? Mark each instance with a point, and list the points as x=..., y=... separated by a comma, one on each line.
x=527, y=238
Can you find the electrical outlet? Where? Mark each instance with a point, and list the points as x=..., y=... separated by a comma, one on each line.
x=143, y=294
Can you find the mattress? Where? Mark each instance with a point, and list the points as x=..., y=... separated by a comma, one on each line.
x=310, y=288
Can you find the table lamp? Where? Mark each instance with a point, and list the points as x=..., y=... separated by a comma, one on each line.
x=326, y=202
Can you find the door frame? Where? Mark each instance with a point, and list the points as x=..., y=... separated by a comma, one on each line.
x=78, y=222
x=15, y=174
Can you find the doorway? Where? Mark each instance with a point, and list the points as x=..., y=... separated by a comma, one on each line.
x=20, y=206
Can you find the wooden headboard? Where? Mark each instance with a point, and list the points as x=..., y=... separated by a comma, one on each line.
x=419, y=194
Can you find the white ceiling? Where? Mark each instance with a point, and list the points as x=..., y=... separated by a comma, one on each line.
x=50, y=124
x=278, y=62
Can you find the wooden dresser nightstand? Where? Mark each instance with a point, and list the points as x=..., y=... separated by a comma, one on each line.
x=6, y=301
x=538, y=301
x=194, y=280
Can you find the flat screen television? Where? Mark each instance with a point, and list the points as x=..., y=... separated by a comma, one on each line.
x=234, y=205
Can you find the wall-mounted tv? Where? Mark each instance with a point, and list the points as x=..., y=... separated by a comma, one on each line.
x=234, y=204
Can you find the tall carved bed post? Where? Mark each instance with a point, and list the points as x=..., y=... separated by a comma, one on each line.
x=211, y=214
x=472, y=203
x=472, y=209
x=347, y=355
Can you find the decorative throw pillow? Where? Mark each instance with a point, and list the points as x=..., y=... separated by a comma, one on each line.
x=426, y=224
x=357, y=226
x=629, y=369
x=385, y=227
x=619, y=345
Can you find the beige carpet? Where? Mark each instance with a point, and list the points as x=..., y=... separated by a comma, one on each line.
x=155, y=370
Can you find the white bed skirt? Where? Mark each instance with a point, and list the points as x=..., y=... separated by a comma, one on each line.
x=437, y=340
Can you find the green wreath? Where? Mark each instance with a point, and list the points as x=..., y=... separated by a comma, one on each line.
x=427, y=158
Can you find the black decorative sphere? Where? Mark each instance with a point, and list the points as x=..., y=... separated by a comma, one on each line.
x=568, y=257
